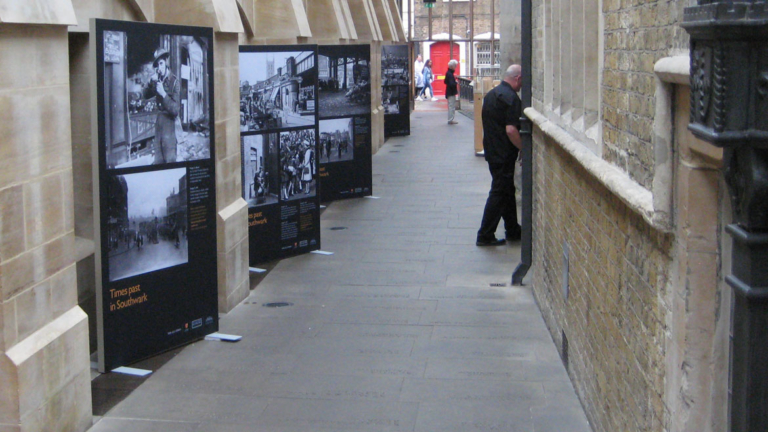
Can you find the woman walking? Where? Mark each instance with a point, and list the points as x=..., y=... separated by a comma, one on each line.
x=451, y=90
x=428, y=78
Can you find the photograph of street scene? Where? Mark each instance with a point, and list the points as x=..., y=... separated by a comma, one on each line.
x=336, y=140
x=298, y=165
x=261, y=183
x=277, y=90
x=394, y=65
x=146, y=222
x=156, y=98
x=394, y=99
x=344, y=80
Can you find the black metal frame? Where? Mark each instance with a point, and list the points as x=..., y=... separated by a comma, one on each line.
x=729, y=109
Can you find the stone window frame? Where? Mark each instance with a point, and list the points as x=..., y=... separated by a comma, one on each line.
x=572, y=71
x=656, y=206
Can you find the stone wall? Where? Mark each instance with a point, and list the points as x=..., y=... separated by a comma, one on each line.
x=628, y=215
x=44, y=364
x=637, y=33
x=441, y=24
x=614, y=314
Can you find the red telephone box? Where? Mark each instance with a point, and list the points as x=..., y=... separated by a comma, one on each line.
x=440, y=54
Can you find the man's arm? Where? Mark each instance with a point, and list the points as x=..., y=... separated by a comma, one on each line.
x=171, y=100
x=514, y=136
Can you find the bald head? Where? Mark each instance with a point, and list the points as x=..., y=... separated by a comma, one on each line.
x=514, y=76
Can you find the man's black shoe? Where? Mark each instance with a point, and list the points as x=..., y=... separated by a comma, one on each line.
x=494, y=242
x=514, y=235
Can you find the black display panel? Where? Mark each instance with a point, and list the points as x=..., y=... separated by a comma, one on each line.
x=278, y=137
x=154, y=188
x=344, y=148
x=395, y=90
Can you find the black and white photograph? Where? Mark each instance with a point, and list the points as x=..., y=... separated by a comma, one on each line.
x=394, y=65
x=298, y=164
x=146, y=222
x=277, y=90
x=394, y=99
x=261, y=181
x=336, y=140
x=344, y=81
x=157, y=98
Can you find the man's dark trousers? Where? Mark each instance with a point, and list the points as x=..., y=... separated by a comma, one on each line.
x=501, y=201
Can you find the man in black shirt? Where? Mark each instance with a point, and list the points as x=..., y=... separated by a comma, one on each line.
x=501, y=113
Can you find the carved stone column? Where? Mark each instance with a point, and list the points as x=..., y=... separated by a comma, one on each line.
x=729, y=109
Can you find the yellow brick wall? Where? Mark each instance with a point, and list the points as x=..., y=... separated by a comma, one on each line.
x=615, y=312
x=637, y=33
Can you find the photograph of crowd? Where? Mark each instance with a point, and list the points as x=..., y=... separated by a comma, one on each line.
x=336, y=140
x=156, y=98
x=260, y=169
x=146, y=222
x=344, y=81
x=277, y=90
x=298, y=164
x=394, y=65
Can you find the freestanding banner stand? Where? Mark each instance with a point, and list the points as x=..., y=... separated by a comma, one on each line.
x=154, y=188
x=395, y=90
x=278, y=134
x=344, y=80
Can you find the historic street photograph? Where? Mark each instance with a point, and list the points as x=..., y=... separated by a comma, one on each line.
x=394, y=99
x=394, y=65
x=344, y=80
x=261, y=185
x=156, y=98
x=277, y=90
x=298, y=164
x=146, y=222
x=336, y=140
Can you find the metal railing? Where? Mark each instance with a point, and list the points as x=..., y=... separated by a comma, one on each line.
x=466, y=90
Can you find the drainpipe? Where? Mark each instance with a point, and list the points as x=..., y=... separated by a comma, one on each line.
x=729, y=109
x=526, y=241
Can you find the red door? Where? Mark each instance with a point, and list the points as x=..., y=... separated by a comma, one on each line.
x=440, y=54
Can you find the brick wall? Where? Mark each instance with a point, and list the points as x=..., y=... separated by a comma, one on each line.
x=440, y=21
x=637, y=33
x=614, y=317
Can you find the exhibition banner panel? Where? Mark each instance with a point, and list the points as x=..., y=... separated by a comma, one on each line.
x=278, y=137
x=395, y=89
x=344, y=149
x=154, y=188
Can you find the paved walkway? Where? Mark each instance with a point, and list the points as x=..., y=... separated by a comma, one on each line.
x=402, y=329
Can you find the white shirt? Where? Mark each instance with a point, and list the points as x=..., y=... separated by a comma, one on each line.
x=418, y=67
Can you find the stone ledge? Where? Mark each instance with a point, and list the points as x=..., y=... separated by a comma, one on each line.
x=41, y=338
x=635, y=196
x=675, y=70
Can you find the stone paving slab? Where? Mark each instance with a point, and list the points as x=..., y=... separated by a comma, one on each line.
x=408, y=327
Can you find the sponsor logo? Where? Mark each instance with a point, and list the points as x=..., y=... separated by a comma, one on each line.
x=313, y=242
x=197, y=323
x=303, y=243
x=209, y=320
